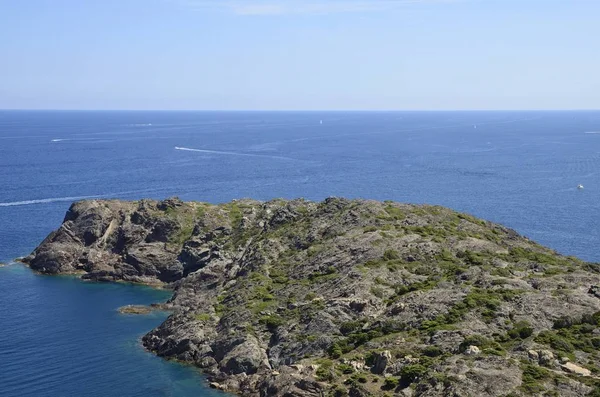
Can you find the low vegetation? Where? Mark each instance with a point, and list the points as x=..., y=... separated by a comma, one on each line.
x=350, y=297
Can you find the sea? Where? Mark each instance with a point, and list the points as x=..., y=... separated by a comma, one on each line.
x=63, y=337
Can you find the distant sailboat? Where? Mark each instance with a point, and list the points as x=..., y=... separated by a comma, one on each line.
x=321, y=122
x=474, y=125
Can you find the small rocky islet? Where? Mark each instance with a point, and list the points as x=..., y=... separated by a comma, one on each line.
x=345, y=297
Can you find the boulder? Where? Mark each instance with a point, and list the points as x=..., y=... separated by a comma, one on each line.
x=546, y=357
x=381, y=361
x=533, y=355
x=575, y=369
x=472, y=350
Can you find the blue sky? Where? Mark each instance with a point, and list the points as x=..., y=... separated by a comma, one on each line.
x=300, y=54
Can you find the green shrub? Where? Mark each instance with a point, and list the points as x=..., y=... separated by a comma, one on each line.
x=310, y=296
x=533, y=373
x=390, y=383
x=345, y=368
x=472, y=258
x=411, y=373
x=272, y=322
x=370, y=358
x=586, y=328
x=568, y=322
x=326, y=274
x=487, y=346
x=390, y=255
x=387, y=327
x=362, y=378
x=432, y=351
x=402, y=289
x=335, y=350
x=445, y=256
x=204, y=317
x=555, y=341
x=339, y=391
x=532, y=376
x=378, y=292
x=325, y=370
x=563, y=322
x=473, y=340
x=351, y=326
x=521, y=330
x=394, y=212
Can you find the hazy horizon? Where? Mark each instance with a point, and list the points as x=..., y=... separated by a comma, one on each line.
x=296, y=110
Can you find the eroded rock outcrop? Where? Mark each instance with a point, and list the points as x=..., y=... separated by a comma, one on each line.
x=345, y=297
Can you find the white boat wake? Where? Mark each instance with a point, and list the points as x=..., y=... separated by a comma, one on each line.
x=46, y=200
x=73, y=198
x=233, y=153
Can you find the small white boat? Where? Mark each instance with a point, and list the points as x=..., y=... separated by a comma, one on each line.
x=580, y=186
x=321, y=122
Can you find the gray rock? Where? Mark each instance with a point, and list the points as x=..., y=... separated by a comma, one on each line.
x=247, y=357
x=546, y=357
x=291, y=297
x=533, y=355
x=153, y=260
x=381, y=362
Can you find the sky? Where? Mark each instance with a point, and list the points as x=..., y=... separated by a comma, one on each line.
x=300, y=54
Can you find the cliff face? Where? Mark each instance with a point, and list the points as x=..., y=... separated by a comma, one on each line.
x=341, y=297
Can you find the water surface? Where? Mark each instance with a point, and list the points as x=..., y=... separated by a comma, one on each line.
x=64, y=337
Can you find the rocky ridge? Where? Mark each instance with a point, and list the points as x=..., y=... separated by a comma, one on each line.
x=345, y=297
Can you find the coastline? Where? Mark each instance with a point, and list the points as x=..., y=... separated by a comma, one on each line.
x=80, y=274
x=306, y=298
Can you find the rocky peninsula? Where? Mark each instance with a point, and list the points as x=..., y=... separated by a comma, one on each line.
x=345, y=297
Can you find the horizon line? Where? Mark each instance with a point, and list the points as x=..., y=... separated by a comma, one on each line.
x=296, y=110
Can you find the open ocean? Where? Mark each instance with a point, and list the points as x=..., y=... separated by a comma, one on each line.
x=63, y=337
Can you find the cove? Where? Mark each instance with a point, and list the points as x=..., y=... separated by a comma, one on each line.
x=65, y=337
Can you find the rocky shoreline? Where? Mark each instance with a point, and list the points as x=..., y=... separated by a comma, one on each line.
x=345, y=297
x=140, y=309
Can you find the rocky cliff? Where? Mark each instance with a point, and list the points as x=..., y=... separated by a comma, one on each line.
x=346, y=297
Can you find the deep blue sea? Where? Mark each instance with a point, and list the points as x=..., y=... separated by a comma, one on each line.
x=63, y=337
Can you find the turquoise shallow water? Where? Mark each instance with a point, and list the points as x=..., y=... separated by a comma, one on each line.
x=62, y=337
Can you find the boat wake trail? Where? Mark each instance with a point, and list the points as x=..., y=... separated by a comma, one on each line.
x=46, y=200
x=73, y=198
x=234, y=153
